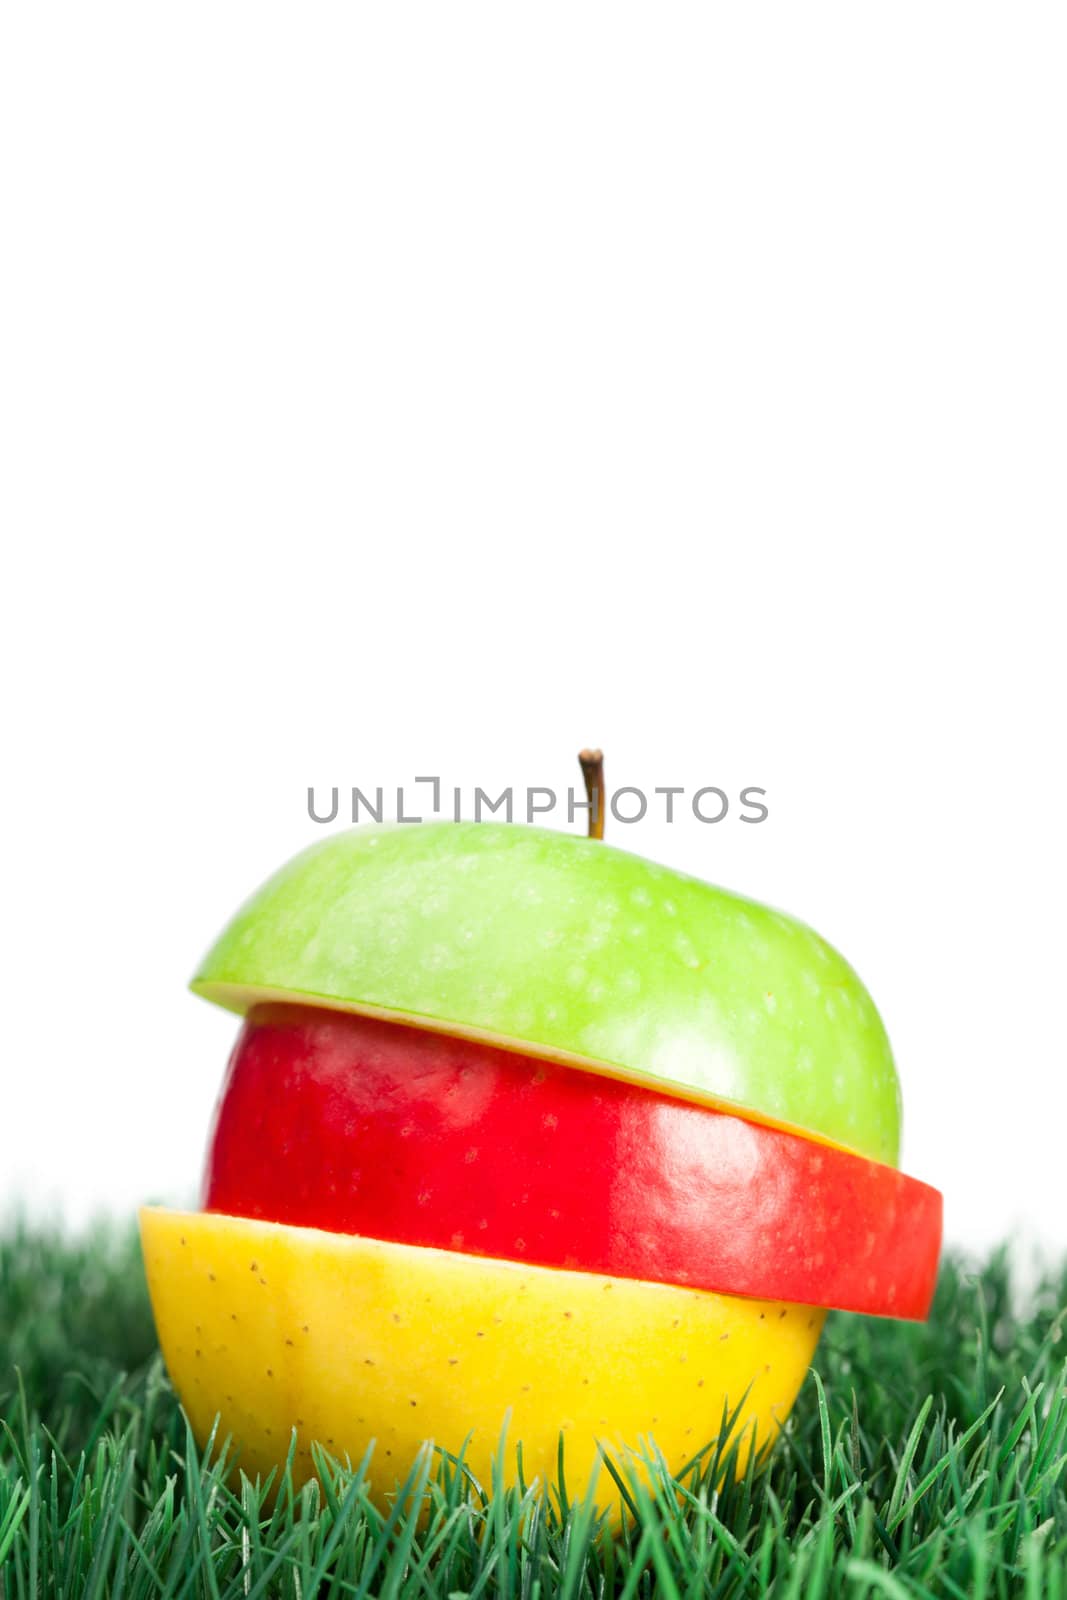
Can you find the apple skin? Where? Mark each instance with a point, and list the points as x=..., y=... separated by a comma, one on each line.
x=573, y=951
x=355, y=1125
x=359, y=1342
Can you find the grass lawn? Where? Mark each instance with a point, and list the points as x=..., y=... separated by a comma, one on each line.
x=920, y=1461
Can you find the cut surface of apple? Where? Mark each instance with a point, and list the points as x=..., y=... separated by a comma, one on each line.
x=355, y=1125
x=352, y=1340
x=571, y=950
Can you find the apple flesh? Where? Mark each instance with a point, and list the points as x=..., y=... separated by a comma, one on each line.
x=358, y=1126
x=572, y=951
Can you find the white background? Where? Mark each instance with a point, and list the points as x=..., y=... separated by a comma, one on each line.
x=399, y=390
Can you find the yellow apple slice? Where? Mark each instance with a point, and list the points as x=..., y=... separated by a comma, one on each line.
x=349, y=1339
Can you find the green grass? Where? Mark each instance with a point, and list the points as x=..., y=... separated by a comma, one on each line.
x=920, y=1461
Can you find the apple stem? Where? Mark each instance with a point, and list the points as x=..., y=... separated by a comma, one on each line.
x=592, y=764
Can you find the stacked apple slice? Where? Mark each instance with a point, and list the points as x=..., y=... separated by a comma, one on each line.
x=518, y=1124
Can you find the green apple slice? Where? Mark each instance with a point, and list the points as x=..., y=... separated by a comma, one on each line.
x=566, y=947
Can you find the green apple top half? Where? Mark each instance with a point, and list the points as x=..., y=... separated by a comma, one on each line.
x=563, y=947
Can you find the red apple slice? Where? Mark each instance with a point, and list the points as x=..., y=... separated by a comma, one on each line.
x=355, y=1125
